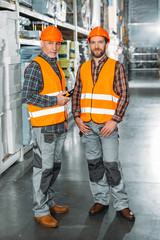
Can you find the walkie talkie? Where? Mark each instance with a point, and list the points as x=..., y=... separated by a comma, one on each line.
x=69, y=93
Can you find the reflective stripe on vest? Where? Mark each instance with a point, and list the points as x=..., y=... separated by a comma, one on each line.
x=97, y=111
x=99, y=97
x=51, y=87
x=99, y=101
x=47, y=111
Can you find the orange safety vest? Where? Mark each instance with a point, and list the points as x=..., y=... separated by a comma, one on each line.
x=52, y=86
x=99, y=101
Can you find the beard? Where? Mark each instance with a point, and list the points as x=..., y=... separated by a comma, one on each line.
x=98, y=54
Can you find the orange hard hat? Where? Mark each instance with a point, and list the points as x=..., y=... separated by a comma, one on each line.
x=51, y=33
x=98, y=31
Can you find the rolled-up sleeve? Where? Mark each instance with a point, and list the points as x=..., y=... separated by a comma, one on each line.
x=76, y=107
x=121, y=88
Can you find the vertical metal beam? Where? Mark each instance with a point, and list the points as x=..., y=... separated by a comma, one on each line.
x=158, y=10
x=95, y=13
x=106, y=23
x=75, y=19
x=115, y=15
x=17, y=24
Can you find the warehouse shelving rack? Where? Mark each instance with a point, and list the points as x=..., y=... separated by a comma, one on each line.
x=28, y=12
x=22, y=10
x=144, y=61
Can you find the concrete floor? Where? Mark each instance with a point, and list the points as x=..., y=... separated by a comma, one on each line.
x=140, y=158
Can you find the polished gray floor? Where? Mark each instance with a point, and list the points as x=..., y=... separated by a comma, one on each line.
x=140, y=158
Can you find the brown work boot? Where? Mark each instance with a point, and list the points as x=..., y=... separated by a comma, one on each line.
x=47, y=221
x=59, y=209
x=127, y=214
x=97, y=208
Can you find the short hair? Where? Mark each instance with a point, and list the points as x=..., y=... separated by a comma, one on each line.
x=106, y=39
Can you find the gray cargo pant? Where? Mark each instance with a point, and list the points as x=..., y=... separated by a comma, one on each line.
x=46, y=166
x=104, y=167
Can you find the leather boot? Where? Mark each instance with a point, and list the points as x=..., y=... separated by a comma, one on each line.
x=59, y=209
x=47, y=221
x=127, y=214
x=97, y=208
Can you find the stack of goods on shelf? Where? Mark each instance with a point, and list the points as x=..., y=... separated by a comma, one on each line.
x=39, y=25
x=28, y=53
x=27, y=3
x=74, y=54
x=69, y=14
x=65, y=49
x=84, y=52
x=144, y=58
x=67, y=64
x=64, y=59
x=31, y=29
x=83, y=13
x=52, y=8
x=69, y=60
x=47, y=7
x=37, y=28
x=61, y=9
x=72, y=50
x=10, y=116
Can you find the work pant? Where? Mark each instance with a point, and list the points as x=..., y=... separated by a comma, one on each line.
x=104, y=167
x=46, y=166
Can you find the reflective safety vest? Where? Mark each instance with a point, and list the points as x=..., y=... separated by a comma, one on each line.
x=52, y=86
x=99, y=101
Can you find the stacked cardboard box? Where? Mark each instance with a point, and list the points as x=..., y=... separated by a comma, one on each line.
x=10, y=83
x=69, y=13
x=83, y=13
x=84, y=52
x=45, y=6
x=61, y=9
x=66, y=62
x=64, y=51
x=28, y=53
x=27, y=3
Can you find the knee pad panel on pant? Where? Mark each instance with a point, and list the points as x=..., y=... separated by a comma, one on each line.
x=56, y=170
x=47, y=175
x=96, y=169
x=37, y=161
x=112, y=173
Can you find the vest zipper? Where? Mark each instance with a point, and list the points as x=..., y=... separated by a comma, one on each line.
x=93, y=89
x=91, y=102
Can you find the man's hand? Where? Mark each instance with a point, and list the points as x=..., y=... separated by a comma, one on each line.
x=108, y=128
x=82, y=127
x=66, y=125
x=62, y=100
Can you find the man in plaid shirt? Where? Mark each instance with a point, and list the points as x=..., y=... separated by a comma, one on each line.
x=100, y=99
x=44, y=92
